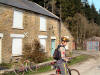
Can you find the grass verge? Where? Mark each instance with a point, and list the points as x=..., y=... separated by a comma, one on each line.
x=80, y=58
x=5, y=65
x=47, y=68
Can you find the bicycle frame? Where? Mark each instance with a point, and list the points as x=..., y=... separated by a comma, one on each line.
x=58, y=71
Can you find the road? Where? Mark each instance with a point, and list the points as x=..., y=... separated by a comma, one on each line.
x=89, y=67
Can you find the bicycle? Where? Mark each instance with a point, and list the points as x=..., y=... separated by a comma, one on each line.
x=69, y=71
x=22, y=67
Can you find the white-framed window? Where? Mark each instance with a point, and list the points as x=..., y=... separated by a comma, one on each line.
x=1, y=34
x=18, y=19
x=17, y=44
x=42, y=23
x=43, y=42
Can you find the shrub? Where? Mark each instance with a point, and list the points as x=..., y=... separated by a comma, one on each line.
x=33, y=52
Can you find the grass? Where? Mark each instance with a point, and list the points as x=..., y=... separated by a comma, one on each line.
x=47, y=68
x=5, y=65
x=80, y=58
x=40, y=70
x=49, y=59
x=9, y=73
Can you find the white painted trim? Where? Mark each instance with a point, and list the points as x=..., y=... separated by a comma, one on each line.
x=1, y=52
x=14, y=22
x=17, y=27
x=53, y=37
x=16, y=55
x=1, y=35
x=42, y=36
x=43, y=29
x=14, y=50
x=17, y=35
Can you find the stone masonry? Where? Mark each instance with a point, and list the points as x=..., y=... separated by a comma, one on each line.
x=31, y=24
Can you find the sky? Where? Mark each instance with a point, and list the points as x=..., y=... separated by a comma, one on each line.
x=96, y=3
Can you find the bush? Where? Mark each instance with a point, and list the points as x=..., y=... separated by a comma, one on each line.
x=33, y=52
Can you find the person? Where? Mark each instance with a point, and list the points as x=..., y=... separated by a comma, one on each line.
x=61, y=62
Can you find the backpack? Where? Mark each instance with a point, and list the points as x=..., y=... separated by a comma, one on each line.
x=57, y=53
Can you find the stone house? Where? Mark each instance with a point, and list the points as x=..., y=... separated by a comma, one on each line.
x=22, y=21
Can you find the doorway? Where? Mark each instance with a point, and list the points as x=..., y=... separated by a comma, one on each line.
x=0, y=49
x=52, y=46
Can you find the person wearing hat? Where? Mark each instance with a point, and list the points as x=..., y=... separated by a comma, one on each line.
x=61, y=62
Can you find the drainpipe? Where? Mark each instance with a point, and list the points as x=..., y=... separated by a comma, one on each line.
x=60, y=24
x=59, y=31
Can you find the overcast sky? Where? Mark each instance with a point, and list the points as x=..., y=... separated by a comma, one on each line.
x=96, y=3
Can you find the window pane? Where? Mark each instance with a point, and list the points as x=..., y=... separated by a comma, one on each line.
x=18, y=19
x=42, y=24
x=17, y=46
x=43, y=43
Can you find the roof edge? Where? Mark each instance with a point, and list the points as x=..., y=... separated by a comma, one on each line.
x=54, y=16
x=47, y=10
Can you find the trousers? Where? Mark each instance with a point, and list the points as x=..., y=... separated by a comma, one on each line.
x=62, y=65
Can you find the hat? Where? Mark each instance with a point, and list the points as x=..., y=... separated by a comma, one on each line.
x=65, y=39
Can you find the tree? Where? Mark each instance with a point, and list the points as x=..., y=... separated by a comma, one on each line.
x=82, y=21
x=81, y=29
x=98, y=19
x=41, y=2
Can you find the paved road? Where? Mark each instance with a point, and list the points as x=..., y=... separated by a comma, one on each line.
x=89, y=67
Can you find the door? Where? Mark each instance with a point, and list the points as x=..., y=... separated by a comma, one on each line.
x=0, y=49
x=89, y=45
x=93, y=45
x=52, y=46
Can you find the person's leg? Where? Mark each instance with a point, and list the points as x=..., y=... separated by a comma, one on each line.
x=62, y=66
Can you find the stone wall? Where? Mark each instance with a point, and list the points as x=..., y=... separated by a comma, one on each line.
x=31, y=24
x=66, y=32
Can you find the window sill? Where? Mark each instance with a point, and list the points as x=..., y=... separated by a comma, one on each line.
x=17, y=55
x=43, y=30
x=18, y=28
x=45, y=51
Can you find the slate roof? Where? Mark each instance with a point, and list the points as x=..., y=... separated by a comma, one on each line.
x=28, y=5
x=93, y=39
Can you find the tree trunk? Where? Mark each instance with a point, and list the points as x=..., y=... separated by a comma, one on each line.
x=52, y=6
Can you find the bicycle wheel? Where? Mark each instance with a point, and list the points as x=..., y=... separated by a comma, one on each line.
x=18, y=72
x=74, y=72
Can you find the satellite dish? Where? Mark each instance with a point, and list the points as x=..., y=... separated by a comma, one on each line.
x=26, y=34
